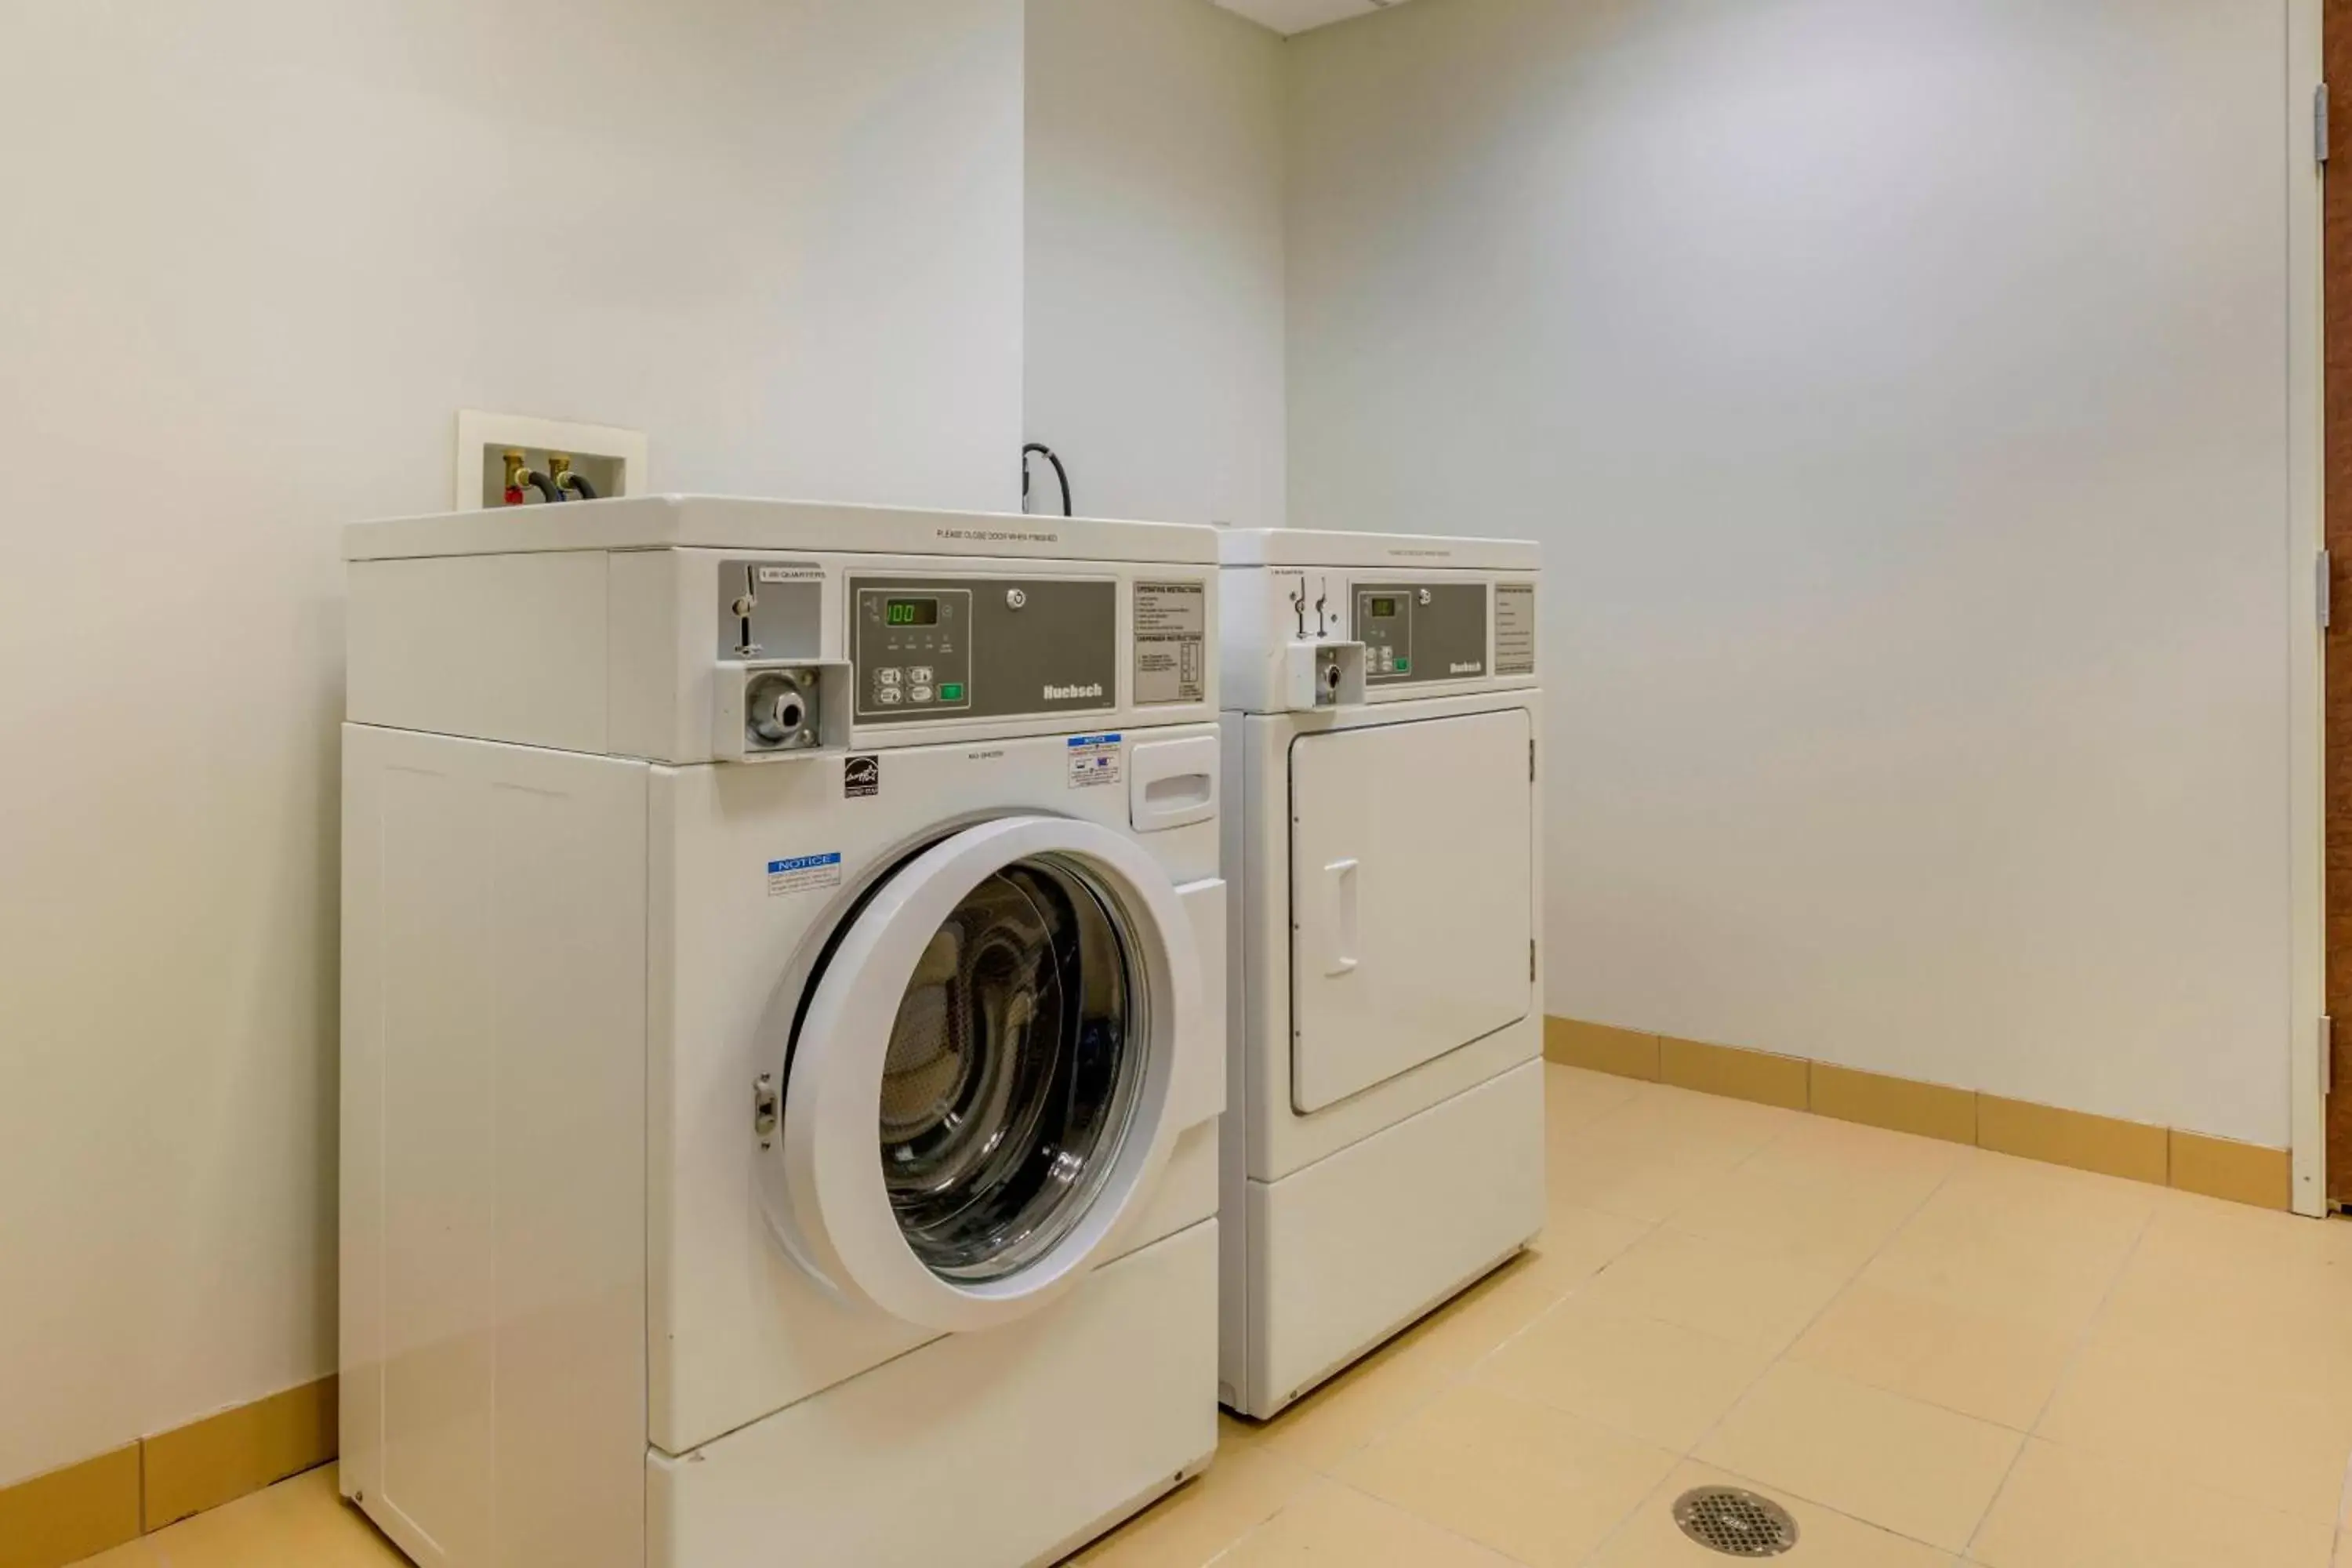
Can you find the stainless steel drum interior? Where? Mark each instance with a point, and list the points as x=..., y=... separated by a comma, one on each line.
x=1015, y=1065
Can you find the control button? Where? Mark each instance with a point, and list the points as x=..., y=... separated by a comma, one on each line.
x=1014, y=598
x=1388, y=658
x=921, y=675
x=890, y=677
x=1424, y=595
x=1404, y=667
x=920, y=694
x=951, y=693
x=891, y=696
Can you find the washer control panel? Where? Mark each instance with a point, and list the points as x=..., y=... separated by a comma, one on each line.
x=914, y=651
x=1421, y=631
x=935, y=649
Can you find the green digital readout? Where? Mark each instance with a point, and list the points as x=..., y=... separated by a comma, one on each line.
x=1382, y=609
x=910, y=612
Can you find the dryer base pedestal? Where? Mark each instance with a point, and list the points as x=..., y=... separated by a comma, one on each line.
x=997, y=1449
x=1342, y=1255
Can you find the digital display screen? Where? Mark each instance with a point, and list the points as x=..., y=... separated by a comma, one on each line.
x=910, y=612
x=1383, y=608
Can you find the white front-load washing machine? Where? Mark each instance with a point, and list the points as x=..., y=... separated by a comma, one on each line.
x=783, y=1016
x=1383, y=1145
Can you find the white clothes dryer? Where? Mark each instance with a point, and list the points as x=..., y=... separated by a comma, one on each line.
x=1383, y=1142
x=783, y=1013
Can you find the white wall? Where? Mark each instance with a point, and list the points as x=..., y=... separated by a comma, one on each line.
x=1155, y=256
x=1900, y=393
x=255, y=254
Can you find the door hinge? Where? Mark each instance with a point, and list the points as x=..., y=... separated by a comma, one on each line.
x=2319, y=123
x=764, y=1108
x=2326, y=590
x=2327, y=1056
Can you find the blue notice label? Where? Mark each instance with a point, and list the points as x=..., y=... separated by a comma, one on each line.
x=1094, y=760
x=802, y=872
x=804, y=862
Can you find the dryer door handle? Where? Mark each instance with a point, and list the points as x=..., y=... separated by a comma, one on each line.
x=1341, y=876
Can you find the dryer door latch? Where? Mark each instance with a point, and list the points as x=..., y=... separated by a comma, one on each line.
x=764, y=1108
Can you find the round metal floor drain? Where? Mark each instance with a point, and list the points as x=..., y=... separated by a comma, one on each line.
x=1734, y=1522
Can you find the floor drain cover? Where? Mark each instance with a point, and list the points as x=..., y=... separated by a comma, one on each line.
x=1734, y=1522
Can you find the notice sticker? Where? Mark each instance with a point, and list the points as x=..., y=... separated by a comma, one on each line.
x=804, y=873
x=1094, y=760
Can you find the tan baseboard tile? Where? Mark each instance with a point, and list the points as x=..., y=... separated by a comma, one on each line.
x=220, y=1457
x=1628, y=1053
x=2224, y=1168
x=1736, y=1074
x=1905, y=1105
x=2077, y=1137
x=71, y=1513
x=2193, y=1161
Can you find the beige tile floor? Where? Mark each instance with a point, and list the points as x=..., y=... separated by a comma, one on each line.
x=1932, y=1355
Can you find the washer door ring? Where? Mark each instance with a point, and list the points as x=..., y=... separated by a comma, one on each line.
x=824, y=1184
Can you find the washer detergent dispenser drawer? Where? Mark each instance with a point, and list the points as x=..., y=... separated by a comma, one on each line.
x=1411, y=854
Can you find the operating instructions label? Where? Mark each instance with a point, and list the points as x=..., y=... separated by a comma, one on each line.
x=1515, y=628
x=1171, y=650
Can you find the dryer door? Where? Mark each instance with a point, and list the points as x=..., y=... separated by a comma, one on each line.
x=1411, y=896
x=980, y=1088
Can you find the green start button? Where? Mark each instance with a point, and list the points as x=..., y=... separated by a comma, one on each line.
x=951, y=691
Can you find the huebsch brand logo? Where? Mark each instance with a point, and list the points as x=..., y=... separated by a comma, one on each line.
x=1072, y=693
x=1473, y=668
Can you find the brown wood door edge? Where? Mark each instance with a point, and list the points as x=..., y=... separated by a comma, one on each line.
x=2337, y=282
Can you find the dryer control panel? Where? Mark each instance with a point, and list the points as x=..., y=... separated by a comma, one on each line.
x=934, y=648
x=1421, y=631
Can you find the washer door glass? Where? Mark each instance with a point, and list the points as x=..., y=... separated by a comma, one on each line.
x=1014, y=1069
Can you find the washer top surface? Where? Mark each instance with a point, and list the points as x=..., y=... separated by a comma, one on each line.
x=728, y=522
x=1331, y=547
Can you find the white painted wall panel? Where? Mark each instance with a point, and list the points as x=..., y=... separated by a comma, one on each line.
x=258, y=253
x=1155, y=271
x=1899, y=392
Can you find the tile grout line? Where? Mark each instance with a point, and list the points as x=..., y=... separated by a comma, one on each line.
x=1847, y=1284
x=2344, y=1497
x=1461, y=1378
x=1446, y=1384
x=1690, y=1455
x=1229, y=1548
x=1770, y=1139
x=2074, y=1355
x=1471, y=1542
x=1783, y=1357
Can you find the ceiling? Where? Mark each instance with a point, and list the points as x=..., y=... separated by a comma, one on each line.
x=1288, y=16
